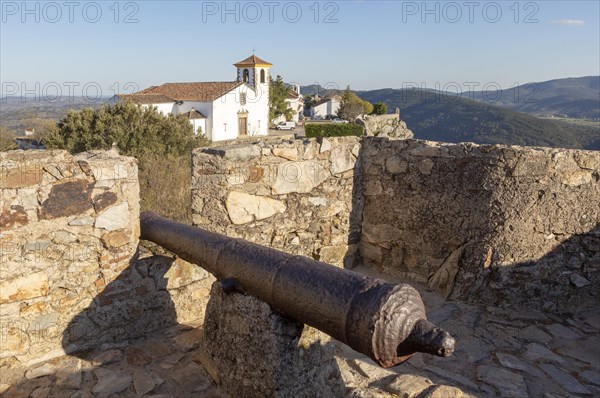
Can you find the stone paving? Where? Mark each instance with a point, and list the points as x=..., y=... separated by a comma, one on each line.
x=500, y=353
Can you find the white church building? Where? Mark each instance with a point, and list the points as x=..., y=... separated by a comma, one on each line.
x=219, y=110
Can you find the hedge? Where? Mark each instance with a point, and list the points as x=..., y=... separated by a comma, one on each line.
x=333, y=130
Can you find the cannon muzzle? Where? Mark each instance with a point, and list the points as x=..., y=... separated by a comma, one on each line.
x=385, y=321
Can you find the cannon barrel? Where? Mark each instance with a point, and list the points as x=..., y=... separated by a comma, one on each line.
x=385, y=321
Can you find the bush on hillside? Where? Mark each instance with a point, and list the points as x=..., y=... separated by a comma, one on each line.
x=333, y=130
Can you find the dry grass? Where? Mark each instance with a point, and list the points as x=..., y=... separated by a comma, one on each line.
x=165, y=186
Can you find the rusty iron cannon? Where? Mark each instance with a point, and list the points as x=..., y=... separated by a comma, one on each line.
x=385, y=321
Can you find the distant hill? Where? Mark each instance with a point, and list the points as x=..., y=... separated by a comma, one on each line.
x=434, y=116
x=577, y=98
x=316, y=89
x=14, y=112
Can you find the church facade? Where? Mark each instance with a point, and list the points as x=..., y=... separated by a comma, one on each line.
x=219, y=110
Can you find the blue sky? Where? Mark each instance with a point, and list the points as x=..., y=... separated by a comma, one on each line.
x=366, y=44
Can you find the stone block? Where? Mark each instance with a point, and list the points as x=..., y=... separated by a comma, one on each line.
x=244, y=208
x=67, y=199
x=24, y=287
x=115, y=217
x=260, y=353
x=300, y=177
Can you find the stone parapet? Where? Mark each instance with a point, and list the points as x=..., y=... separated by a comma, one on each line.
x=69, y=227
x=486, y=223
x=493, y=223
x=294, y=195
x=70, y=276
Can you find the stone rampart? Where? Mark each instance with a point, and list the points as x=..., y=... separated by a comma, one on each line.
x=69, y=275
x=294, y=195
x=492, y=223
x=485, y=223
x=69, y=227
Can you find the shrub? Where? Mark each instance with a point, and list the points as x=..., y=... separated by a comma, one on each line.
x=165, y=185
x=333, y=130
x=135, y=130
x=380, y=108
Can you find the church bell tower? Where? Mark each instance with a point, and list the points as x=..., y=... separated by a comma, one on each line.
x=255, y=72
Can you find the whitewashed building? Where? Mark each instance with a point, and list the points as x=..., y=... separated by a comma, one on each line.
x=219, y=110
x=325, y=107
x=295, y=102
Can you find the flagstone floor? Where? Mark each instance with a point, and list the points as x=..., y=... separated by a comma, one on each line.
x=500, y=353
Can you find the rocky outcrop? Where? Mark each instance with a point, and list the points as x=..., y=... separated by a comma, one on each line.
x=385, y=126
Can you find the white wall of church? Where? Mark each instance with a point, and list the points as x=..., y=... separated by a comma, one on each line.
x=226, y=109
x=206, y=108
x=258, y=109
x=162, y=108
x=199, y=123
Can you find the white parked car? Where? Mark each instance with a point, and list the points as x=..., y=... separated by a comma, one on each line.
x=286, y=126
x=338, y=120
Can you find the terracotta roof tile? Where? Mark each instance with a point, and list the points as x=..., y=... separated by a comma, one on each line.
x=146, y=98
x=252, y=60
x=194, y=114
x=291, y=94
x=201, y=91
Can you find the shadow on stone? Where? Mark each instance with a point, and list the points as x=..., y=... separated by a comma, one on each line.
x=104, y=342
x=563, y=281
x=253, y=351
x=133, y=305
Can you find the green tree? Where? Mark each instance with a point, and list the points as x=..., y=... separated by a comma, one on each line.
x=352, y=105
x=7, y=140
x=380, y=108
x=277, y=94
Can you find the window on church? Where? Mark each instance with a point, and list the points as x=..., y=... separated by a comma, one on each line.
x=262, y=76
x=242, y=98
x=246, y=75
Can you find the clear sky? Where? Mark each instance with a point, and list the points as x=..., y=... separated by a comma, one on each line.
x=366, y=44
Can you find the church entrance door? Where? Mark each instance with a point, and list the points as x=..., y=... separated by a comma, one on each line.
x=243, y=125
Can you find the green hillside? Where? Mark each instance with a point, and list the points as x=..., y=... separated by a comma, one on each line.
x=435, y=116
x=577, y=98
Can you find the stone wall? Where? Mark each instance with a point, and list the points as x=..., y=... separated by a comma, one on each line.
x=69, y=279
x=284, y=358
x=295, y=195
x=491, y=224
x=487, y=223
